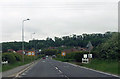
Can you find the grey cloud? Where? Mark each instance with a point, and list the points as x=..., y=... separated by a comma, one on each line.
x=56, y=19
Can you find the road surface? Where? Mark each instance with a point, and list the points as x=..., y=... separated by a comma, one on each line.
x=51, y=68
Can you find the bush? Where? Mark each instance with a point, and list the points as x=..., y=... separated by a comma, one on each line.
x=10, y=57
x=95, y=54
x=73, y=56
x=70, y=55
x=79, y=55
x=18, y=57
x=28, y=58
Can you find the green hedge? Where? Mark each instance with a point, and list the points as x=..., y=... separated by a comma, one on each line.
x=15, y=57
x=18, y=57
x=73, y=56
x=10, y=57
x=79, y=55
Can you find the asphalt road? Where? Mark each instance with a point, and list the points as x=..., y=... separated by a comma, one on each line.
x=52, y=68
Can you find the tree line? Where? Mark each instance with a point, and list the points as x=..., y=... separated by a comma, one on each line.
x=72, y=40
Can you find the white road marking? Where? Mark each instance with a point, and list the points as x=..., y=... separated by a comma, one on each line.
x=56, y=68
x=43, y=61
x=67, y=77
x=60, y=71
x=71, y=64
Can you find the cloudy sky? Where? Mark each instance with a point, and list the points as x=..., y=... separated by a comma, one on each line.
x=50, y=18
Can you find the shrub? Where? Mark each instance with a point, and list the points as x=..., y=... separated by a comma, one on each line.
x=79, y=56
x=18, y=57
x=70, y=55
x=28, y=58
x=95, y=54
x=73, y=56
x=9, y=57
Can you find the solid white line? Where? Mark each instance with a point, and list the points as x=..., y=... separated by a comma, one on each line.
x=72, y=64
x=27, y=68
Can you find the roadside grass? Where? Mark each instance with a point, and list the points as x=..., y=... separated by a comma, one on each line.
x=109, y=66
x=16, y=64
x=11, y=66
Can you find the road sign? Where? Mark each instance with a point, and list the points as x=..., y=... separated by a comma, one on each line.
x=85, y=55
x=40, y=50
x=89, y=55
x=89, y=46
x=23, y=52
x=31, y=53
x=85, y=60
x=63, y=53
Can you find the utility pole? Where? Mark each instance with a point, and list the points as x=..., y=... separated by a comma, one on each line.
x=23, y=38
x=34, y=44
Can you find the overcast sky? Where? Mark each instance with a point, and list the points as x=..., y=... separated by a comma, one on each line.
x=50, y=18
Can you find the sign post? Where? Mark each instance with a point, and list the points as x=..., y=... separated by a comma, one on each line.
x=89, y=48
x=31, y=53
x=63, y=54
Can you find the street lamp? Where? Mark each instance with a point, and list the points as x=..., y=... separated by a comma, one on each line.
x=23, y=37
x=34, y=42
x=32, y=38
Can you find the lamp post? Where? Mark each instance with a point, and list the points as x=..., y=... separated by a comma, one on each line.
x=34, y=43
x=33, y=38
x=23, y=37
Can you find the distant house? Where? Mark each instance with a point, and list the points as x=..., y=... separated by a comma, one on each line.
x=20, y=52
x=52, y=47
x=11, y=50
x=63, y=46
x=75, y=49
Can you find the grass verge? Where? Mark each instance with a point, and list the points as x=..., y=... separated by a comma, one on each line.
x=109, y=66
x=11, y=66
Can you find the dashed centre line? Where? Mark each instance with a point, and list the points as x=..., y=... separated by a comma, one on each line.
x=58, y=69
x=61, y=72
